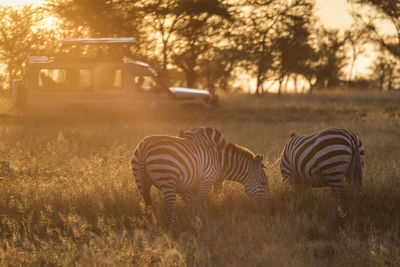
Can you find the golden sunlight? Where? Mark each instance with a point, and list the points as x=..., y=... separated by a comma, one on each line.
x=49, y=23
x=20, y=2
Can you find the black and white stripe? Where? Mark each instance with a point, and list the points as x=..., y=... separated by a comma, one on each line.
x=206, y=135
x=210, y=137
x=189, y=166
x=324, y=159
x=237, y=163
x=174, y=165
x=241, y=165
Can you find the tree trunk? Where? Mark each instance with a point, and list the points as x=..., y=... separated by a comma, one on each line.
x=190, y=78
x=259, y=78
x=351, y=69
x=165, y=60
x=280, y=87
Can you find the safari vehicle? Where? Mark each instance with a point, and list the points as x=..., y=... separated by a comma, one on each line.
x=97, y=85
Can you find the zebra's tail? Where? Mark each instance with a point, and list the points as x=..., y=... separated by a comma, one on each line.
x=142, y=179
x=355, y=172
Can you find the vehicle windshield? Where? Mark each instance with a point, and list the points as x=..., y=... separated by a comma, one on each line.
x=144, y=83
x=148, y=83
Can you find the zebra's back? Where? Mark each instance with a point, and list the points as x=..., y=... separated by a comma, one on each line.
x=235, y=162
x=167, y=159
x=322, y=158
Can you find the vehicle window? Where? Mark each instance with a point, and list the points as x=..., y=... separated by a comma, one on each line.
x=111, y=79
x=144, y=83
x=65, y=79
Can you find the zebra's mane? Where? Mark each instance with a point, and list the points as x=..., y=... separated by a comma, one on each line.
x=242, y=150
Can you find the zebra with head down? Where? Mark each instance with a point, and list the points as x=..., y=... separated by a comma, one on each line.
x=325, y=158
x=190, y=166
x=237, y=163
x=175, y=166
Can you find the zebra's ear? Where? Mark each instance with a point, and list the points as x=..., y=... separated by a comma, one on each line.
x=259, y=158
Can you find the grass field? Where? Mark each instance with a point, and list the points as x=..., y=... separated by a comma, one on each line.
x=68, y=197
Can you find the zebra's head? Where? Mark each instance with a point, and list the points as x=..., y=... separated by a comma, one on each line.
x=206, y=135
x=257, y=186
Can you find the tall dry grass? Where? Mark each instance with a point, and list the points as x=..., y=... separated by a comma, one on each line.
x=68, y=197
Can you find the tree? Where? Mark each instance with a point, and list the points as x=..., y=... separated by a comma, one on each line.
x=101, y=18
x=175, y=31
x=162, y=18
x=98, y=18
x=332, y=57
x=21, y=37
x=278, y=38
x=390, y=11
x=293, y=44
x=357, y=37
x=197, y=32
x=385, y=71
x=259, y=23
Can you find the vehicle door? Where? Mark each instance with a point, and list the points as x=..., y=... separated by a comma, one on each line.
x=148, y=92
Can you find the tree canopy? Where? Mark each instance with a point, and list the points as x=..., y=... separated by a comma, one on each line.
x=203, y=43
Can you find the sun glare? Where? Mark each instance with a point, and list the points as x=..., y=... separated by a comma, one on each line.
x=20, y=2
x=49, y=23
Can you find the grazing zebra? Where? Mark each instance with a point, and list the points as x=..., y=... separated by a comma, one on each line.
x=324, y=159
x=241, y=165
x=210, y=137
x=207, y=135
x=187, y=166
x=174, y=165
x=232, y=157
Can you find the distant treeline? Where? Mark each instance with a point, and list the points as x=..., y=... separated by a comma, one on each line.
x=213, y=43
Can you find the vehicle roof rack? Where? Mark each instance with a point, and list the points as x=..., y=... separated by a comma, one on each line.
x=122, y=40
x=39, y=59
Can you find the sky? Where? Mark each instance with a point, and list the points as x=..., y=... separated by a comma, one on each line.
x=20, y=2
x=334, y=13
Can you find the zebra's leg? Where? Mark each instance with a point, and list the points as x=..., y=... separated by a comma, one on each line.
x=218, y=186
x=204, y=191
x=336, y=189
x=355, y=180
x=169, y=194
x=143, y=183
x=188, y=197
x=289, y=183
x=146, y=192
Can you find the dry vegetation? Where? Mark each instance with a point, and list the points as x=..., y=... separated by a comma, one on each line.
x=67, y=195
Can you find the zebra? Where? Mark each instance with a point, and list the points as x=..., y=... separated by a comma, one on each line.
x=187, y=166
x=241, y=165
x=207, y=135
x=231, y=156
x=174, y=165
x=323, y=159
x=210, y=137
